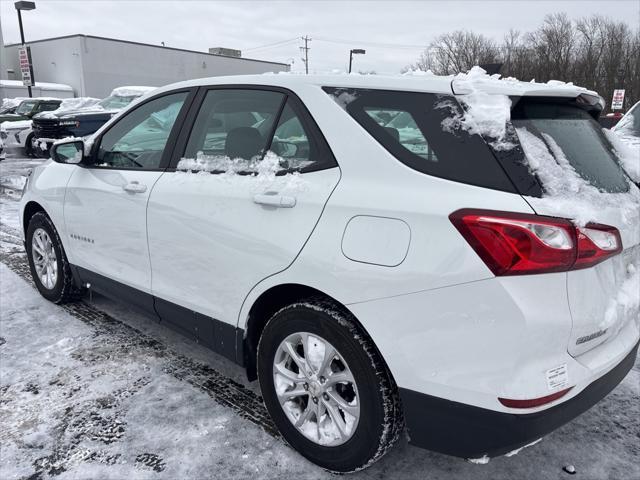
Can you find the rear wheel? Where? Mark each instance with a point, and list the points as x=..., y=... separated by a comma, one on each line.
x=326, y=387
x=49, y=266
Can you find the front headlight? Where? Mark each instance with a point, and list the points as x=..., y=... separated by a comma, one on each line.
x=68, y=123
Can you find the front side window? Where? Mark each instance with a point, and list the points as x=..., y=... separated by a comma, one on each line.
x=138, y=139
x=25, y=107
x=409, y=125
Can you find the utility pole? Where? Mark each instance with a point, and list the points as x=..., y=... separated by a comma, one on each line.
x=305, y=51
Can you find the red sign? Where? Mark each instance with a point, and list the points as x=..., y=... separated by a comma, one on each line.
x=618, y=99
x=26, y=67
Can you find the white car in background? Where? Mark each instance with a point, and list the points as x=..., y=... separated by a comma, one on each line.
x=627, y=130
x=369, y=278
x=20, y=133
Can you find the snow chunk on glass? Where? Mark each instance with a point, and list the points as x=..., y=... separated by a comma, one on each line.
x=259, y=172
x=485, y=114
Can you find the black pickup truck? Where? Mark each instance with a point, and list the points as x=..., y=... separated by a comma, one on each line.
x=51, y=126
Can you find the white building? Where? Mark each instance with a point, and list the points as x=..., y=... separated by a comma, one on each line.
x=93, y=66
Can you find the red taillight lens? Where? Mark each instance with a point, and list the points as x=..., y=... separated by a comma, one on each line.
x=521, y=244
x=596, y=243
x=533, y=402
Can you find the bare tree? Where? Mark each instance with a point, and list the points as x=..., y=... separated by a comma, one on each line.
x=457, y=52
x=595, y=52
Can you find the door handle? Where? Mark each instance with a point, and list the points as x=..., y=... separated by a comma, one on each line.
x=275, y=200
x=135, y=187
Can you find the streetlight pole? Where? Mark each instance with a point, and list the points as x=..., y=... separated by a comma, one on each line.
x=352, y=52
x=19, y=7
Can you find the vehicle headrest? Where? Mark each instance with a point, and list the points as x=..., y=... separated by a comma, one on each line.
x=243, y=142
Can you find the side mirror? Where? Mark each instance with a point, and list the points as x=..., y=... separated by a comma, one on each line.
x=71, y=152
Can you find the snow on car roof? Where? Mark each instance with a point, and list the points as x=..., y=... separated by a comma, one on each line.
x=411, y=81
x=131, y=91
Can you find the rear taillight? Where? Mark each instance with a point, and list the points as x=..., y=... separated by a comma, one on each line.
x=522, y=244
x=596, y=243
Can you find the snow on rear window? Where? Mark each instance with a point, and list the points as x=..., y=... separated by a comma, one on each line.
x=568, y=194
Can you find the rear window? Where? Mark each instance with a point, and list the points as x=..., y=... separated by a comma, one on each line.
x=579, y=137
x=409, y=126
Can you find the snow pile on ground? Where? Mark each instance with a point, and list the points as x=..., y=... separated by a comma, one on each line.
x=627, y=148
x=567, y=194
x=260, y=173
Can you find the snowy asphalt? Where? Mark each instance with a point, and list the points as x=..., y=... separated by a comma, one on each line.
x=95, y=390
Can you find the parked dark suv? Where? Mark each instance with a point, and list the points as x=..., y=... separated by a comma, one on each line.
x=52, y=126
x=28, y=108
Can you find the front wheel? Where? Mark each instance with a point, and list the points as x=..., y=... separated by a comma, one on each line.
x=48, y=263
x=326, y=387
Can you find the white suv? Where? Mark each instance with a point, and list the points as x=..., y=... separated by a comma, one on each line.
x=371, y=273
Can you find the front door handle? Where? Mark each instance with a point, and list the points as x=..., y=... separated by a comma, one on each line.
x=275, y=200
x=135, y=187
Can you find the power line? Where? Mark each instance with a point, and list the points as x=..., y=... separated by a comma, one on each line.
x=270, y=45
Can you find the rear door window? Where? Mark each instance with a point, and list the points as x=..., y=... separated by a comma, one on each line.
x=409, y=125
x=579, y=138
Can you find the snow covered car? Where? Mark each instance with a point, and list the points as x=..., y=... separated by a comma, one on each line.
x=82, y=119
x=29, y=107
x=481, y=289
x=626, y=137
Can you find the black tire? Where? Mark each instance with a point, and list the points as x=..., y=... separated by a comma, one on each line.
x=381, y=419
x=65, y=290
x=28, y=147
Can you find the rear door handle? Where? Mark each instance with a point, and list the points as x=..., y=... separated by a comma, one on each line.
x=275, y=200
x=135, y=187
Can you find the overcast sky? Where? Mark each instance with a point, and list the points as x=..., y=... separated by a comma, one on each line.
x=392, y=32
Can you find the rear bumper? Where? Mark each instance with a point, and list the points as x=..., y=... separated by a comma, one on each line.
x=470, y=432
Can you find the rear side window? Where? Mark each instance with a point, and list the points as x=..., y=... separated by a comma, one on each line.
x=409, y=126
x=579, y=138
x=235, y=128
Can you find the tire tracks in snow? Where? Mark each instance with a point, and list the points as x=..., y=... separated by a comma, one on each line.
x=219, y=387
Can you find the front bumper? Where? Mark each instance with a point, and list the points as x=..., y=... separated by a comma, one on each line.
x=471, y=432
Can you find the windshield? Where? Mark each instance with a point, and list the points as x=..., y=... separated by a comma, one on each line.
x=25, y=107
x=116, y=102
x=579, y=137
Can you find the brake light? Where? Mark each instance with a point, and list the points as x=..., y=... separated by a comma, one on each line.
x=534, y=402
x=596, y=243
x=523, y=244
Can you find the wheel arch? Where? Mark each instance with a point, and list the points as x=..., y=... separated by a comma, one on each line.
x=30, y=209
x=273, y=299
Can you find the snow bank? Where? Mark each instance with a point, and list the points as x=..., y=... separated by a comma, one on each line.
x=627, y=149
x=567, y=194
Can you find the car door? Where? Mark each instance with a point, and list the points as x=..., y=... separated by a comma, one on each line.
x=217, y=230
x=106, y=198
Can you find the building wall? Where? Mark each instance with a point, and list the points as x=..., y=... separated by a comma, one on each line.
x=94, y=66
x=58, y=61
